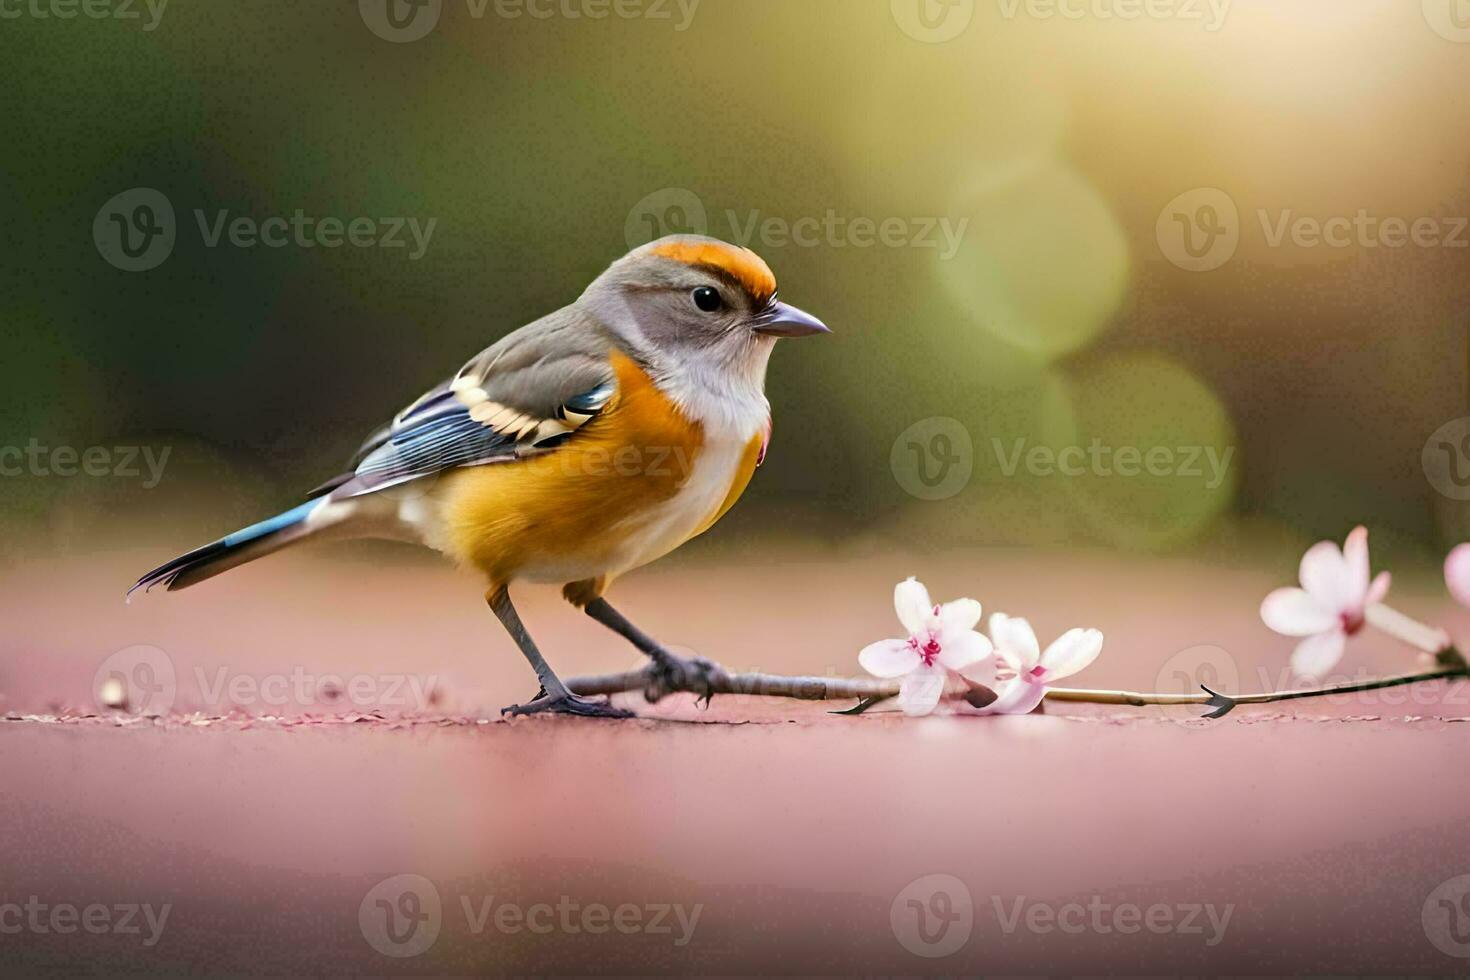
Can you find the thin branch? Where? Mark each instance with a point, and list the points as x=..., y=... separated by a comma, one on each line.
x=869, y=690
x=1223, y=703
x=655, y=685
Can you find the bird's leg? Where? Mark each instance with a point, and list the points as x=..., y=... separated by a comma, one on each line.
x=672, y=673
x=554, y=695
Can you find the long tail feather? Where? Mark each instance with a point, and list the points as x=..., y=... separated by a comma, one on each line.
x=244, y=545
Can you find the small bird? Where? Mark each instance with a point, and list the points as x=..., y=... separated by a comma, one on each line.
x=581, y=446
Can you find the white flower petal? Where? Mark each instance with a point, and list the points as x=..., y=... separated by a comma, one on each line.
x=919, y=691
x=1316, y=655
x=889, y=658
x=1292, y=612
x=960, y=650
x=911, y=602
x=1325, y=576
x=1355, y=558
x=1015, y=641
x=1017, y=697
x=959, y=616
x=1071, y=652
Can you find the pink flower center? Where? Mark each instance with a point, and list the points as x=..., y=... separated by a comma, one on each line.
x=1037, y=671
x=1352, y=622
x=928, y=651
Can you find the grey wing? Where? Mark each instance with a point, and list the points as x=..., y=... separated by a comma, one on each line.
x=523, y=395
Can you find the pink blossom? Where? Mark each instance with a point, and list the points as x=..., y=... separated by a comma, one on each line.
x=1035, y=669
x=1331, y=604
x=940, y=639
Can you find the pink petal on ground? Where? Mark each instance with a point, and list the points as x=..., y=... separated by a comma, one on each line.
x=1293, y=612
x=1018, y=697
x=889, y=658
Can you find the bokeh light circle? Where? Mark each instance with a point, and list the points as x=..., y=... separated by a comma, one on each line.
x=1147, y=453
x=1043, y=263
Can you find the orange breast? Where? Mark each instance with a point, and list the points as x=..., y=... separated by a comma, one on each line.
x=566, y=513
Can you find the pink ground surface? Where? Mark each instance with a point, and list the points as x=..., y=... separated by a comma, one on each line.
x=1330, y=833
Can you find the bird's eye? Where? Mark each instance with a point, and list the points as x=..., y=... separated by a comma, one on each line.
x=707, y=298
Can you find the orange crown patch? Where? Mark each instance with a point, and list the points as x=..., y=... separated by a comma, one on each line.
x=741, y=264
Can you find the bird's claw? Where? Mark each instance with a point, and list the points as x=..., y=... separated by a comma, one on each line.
x=670, y=674
x=566, y=704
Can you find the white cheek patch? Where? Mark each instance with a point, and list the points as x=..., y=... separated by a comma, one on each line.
x=725, y=396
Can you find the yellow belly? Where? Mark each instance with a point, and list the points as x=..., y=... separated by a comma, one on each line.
x=629, y=486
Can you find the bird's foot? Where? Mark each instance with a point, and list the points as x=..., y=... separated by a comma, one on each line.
x=670, y=674
x=566, y=703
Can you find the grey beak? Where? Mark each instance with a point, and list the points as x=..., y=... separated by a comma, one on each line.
x=785, y=320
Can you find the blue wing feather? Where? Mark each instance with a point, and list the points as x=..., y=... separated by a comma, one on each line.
x=441, y=435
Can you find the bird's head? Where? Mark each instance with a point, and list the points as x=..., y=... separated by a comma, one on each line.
x=692, y=298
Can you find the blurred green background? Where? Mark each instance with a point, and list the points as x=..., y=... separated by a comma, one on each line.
x=540, y=146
